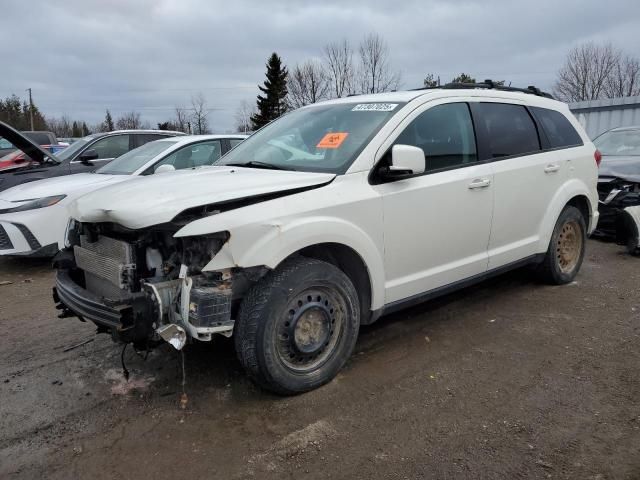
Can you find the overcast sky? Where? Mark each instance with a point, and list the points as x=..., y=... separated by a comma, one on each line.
x=84, y=56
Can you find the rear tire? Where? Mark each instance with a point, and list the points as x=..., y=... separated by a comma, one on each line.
x=564, y=256
x=298, y=326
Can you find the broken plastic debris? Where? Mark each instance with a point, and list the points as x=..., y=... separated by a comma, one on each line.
x=173, y=334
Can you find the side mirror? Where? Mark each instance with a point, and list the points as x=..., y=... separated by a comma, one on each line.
x=88, y=155
x=406, y=161
x=165, y=168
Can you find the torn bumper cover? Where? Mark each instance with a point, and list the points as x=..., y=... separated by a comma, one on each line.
x=619, y=208
x=173, y=311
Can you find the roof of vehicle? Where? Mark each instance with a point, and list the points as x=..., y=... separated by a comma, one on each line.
x=139, y=131
x=624, y=129
x=194, y=138
x=531, y=94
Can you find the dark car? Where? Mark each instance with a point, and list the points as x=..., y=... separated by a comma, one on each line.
x=619, y=186
x=84, y=155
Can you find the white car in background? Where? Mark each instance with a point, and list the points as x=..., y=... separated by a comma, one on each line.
x=33, y=216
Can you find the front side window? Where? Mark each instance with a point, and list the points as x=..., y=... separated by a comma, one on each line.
x=131, y=161
x=194, y=155
x=111, y=147
x=510, y=129
x=319, y=138
x=559, y=130
x=445, y=135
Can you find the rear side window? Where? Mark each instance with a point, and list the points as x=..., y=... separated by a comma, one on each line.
x=510, y=129
x=558, y=129
x=445, y=135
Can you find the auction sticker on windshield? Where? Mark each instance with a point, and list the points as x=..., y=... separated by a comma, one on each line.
x=332, y=140
x=374, y=107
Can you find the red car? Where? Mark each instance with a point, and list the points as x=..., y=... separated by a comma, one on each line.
x=18, y=158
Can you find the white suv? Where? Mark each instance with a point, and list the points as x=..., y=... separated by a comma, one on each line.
x=330, y=217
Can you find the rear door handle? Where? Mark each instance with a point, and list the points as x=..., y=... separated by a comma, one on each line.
x=479, y=183
x=551, y=168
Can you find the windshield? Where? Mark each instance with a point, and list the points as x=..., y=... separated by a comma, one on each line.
x=322, y=138
x=131, y=161
x=619, y=143
x=74, y=148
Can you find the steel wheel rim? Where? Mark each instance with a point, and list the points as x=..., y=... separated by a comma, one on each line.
x=310, y=329
x=569, y=246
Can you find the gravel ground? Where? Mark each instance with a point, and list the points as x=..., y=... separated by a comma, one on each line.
x=508, y=379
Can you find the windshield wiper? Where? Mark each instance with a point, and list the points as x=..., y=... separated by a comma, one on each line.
x=258, y=164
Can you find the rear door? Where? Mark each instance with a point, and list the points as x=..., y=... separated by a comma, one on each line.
x=525, y=178
x=436, y=225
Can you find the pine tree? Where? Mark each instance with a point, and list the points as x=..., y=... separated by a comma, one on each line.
x=85, y=129
x=75, y=130
x=108, y=122
x=274, y=101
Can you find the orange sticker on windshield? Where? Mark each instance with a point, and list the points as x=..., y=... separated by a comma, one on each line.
x=332, y=140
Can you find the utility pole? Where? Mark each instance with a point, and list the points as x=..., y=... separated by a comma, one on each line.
x=30, y=108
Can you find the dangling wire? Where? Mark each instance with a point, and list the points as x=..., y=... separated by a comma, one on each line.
x=125, y=372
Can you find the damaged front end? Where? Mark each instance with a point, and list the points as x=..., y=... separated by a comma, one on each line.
x=619, y=208
x=145, y=286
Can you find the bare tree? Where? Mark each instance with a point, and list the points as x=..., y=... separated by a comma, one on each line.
x=182, y=120
x=307, y=83
x=200, y=113
x=374, y=72
x=624, y=80
x=129, y=121
x=243, y=117
x=338, y=57
x=586, y=72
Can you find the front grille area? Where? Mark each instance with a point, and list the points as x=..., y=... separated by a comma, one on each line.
x=5, y=241
x=108, y=259
x=33, y=242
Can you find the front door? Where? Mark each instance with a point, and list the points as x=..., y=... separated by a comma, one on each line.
x=437, y=225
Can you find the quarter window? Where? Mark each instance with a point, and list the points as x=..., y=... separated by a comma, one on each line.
x=445, y=135
x=559, y=130
x=510, y=129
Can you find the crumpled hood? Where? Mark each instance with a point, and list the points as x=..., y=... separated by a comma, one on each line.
x=627, y=168
x=156, y=199
x=63, y=185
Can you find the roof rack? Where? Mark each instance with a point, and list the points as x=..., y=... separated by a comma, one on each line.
x=490, y=84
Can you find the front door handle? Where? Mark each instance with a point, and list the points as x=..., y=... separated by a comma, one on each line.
x=479, y=183
x=551, y=168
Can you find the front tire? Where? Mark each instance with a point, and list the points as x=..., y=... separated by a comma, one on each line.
x=564, y=256
x=298, y=326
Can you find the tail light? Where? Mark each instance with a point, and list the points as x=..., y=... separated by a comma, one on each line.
x=598, y=157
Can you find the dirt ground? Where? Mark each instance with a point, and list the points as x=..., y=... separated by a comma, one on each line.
x=508, y=379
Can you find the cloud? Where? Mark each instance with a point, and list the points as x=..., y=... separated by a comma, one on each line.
x=149, y=56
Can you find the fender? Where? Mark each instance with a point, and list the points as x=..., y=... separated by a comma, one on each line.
x=266, y=233
x=572, y=188
x=631, y=219
x=275, y=242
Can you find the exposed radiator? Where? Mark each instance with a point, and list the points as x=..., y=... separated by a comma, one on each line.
x=108, y=259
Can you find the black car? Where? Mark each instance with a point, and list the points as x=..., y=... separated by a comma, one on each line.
x=84, y=155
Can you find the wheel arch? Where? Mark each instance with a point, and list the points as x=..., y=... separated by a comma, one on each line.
x=574, y=193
